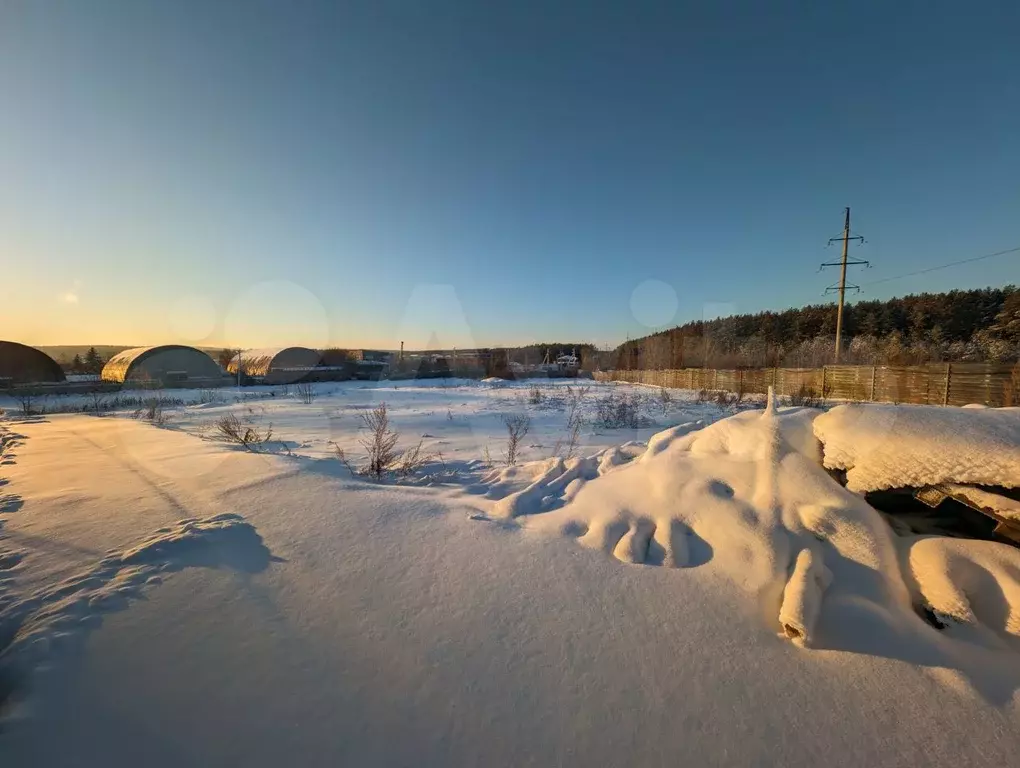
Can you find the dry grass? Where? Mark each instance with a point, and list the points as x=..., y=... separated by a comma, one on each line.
x=305, y=392
x=517, y=426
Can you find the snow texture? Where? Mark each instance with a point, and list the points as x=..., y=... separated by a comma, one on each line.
x=308, y=617
x=897, y=446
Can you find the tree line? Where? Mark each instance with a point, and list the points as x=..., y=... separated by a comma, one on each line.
x=91, y=364
x=981, y=325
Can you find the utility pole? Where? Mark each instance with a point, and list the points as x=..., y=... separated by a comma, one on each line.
x=842, y=287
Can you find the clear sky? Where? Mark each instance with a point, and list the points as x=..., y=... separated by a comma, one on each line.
x=477, y=172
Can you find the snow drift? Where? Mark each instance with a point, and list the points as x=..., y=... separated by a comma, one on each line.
x=748, y=498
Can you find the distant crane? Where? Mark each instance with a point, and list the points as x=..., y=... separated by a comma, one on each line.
x=846, y=237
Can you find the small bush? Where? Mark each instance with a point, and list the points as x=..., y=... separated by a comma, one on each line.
x=412, y=460
x=535, y=394
x=665, y=399
x=206, y=396
x=98, y=402
x=28, y=401
x=380, y=444
x=614, y=411
x=517, y=426
x=381, y=441
x=806, y=397
x=305, y=392
x=153, y=410
x=230, y=428
x=575, y=421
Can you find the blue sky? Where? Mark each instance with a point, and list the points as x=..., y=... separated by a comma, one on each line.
x=474, y=172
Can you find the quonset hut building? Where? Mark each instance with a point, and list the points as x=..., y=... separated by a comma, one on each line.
x=278, y=365
x=20, y=364
x=170, y=365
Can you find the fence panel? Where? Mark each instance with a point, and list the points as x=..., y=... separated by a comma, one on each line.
x=993, y=384
x=989, y=384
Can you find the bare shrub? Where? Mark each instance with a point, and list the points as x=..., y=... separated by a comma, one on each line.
x=206, y=396
x=413, y=460
x=723, y=398
x=98, y=401
x=381, y=441
x=576, y=395
x=535, y=394
x=230, y=428
x=665, y=399
x=305, y=392
x=28, y=399
x=575, y=421
x=703, y=396
x=380, y=444
x=806, y=397
x=517, y=426
x=614, y=411
x=341, y=456
x=153, y=410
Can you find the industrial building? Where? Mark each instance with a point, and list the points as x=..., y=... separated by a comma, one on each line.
x=170, y=365
x=277, y=365
x=20, y=364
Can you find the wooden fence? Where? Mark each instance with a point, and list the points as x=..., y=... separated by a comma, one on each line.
x=935, y=384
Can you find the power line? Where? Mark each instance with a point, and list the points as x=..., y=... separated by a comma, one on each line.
x=944, y=266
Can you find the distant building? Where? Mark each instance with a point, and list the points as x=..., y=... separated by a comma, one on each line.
x=280, y=365
x=26, y=365
x=168, y=365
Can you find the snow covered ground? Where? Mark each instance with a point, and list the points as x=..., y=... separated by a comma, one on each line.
x=169, y=599
x=457, y=418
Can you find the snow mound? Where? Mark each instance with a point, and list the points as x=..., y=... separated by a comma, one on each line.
x=890, y=446
x=971, y=587
x=746, y=500
x=29, y=626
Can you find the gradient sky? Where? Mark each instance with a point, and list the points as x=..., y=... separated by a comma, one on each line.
x=460, y=173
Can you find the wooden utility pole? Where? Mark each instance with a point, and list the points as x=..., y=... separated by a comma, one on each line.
x=842, y=287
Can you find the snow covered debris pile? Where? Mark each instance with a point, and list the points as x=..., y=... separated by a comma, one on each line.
x=890, y=446
x=747, y=499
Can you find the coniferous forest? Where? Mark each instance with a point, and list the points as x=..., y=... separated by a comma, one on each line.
x=981, y=325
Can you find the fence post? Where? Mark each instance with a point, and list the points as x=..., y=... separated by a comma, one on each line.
x=715, y=378
x=949, y=375
x=871, y=397
x=824, y=368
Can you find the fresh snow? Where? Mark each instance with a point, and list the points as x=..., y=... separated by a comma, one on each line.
x=167, y=599
x=888, y=446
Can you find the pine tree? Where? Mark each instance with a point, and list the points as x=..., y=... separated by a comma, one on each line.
x=77, y=366
x=93, y=362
